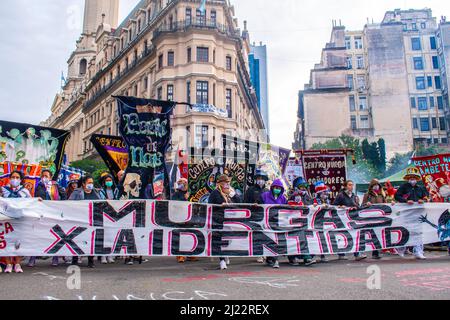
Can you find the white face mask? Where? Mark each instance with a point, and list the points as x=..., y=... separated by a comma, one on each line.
x=45, y=181
x=413, y=182
x=15, y=182
x=90, y=187
x=261, y=183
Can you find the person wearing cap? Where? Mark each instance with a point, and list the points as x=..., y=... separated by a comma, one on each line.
x=72, y=185
x=300, y=194
x=222, y=196
x=276, y=197
x=411, y=193
x=347, y=198
x=253, y=194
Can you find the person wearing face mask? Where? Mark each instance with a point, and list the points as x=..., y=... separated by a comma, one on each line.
x=322, y=197
x=375, y=195
x=87, y=191
x=411, y=193
x=222, y=196
x=48, y=190
x=108, y=192
x=347, y=198
x=15, y=190
x=274, y=196
x=253, y=194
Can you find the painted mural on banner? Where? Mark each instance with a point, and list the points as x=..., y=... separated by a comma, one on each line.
x=67, y=174
x=145, y=128
x=28, y=144
x=435, y=171
x=32, y=174
x=169, y=228
x=113, y=150
x=329, y=166
x=294, y=170
x=273, y=160
x=206, y=165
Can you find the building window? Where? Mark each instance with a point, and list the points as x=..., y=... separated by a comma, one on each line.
x=202, y=54
x=213, y=17
x=228, y=63
x=364, y=122
x=160, y=92
x=414, y=26
x=188, y=92
x=423, y=25
x=201, y=17
x=442, y=124
x=202, y=92
x=350, y=81
x=170, y=58
x=160, y=61
x=424, y=124
x=431, y=102
x=433, y=43
x=420, y=83
x=434, y=123
x=189, y=55
x=201, y=137
x=418, y=63
x=413, y=103
x=358, y=43
x=423, y=103
x=83, y=67
x=353, y=122
x=349, y=62
x=352, y=103
x=440, y=103
x=415, y=44
x=188, y=16
x=437, y=82
x=435, y=62
x=430, y=82
x=444, y=140
x=348, y=43
x=362, y=103
x=170, y=92
x=361, y=82
x=229, y=102
x=415, y=124
x=360, y=61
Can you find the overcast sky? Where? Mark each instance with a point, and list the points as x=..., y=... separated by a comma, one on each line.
x=37, y=37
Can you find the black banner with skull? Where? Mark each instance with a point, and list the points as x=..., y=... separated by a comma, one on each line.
x=145, y=127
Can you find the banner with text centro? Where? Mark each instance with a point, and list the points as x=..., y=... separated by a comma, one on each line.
x=29, y=227
x=113, y=151
x=145, y=127
x=435, y=171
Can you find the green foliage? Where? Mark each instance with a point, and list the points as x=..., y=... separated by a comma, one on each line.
x=423, y=151
x=398, y=163
x=94, y=167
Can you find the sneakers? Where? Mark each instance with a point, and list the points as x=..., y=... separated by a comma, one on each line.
x=18, y=268
x=310, y=262
x=261, y=259
x=324, y=259
x=9, y=268
x=294, y=262
x=276, y=265
x=227, y=261
x=181, y=259
x=223, y=265
x=31, y=262
x=129, y=261
x=104, y=260
x=420, y=256
x=110, y=260
x=360, y=257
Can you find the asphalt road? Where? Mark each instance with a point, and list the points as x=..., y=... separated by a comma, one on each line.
x=164, y=279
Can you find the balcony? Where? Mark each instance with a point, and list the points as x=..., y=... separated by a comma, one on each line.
x=199, y=24
x=131, y=67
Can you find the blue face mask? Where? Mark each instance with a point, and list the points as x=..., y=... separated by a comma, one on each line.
x=90, y=187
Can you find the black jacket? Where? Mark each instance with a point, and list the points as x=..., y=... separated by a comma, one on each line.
x=343, y=199
x=216, y=198
x=253, y=195
x=409, y=193
x=179, y=196
x=41, y=192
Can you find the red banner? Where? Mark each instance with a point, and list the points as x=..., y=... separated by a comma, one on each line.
x=435, y=171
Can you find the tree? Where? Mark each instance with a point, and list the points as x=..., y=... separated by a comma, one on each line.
x=94, y=167
x=382, y=154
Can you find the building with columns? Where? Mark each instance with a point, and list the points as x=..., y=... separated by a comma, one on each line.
x=387, y=81
x=167, y=50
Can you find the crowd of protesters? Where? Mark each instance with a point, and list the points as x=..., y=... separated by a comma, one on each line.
x=261, y=193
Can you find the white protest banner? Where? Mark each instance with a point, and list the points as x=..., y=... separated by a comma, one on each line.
x=168, y=228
